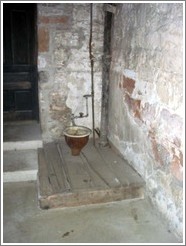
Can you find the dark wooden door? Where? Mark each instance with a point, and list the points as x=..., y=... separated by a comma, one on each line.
x=20, y=94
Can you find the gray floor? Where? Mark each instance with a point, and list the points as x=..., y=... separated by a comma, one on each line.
x=119, y=222
x=129, y=221
x=19, y=160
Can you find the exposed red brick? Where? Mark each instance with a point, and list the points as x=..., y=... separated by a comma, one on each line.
x=128, y=84
x=43, y=39
x=134, y=106
x=53, y=19
x=176, y=168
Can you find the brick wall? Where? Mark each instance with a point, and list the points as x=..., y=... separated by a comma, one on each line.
x=64, y=64
x=146, y=100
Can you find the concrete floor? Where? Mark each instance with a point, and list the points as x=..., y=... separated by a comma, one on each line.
x=129, y=221
x=20, y=165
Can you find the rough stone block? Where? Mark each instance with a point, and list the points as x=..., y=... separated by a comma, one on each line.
x=43, y=77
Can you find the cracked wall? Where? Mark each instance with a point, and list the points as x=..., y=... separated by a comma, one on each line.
x=64, y=65
x=146, y=100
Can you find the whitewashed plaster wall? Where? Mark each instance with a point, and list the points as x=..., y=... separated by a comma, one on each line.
x=146, y=100
x=64, y=64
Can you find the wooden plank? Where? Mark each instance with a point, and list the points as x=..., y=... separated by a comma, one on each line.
x=92, y=197
x=99, y=183
x=64, y=169
x=94, y=179
x=122, y=170
x=95, y=176
x=75, y=169
x=24, y=85
x=45, y=188
x=56, y=176
x=99, y=166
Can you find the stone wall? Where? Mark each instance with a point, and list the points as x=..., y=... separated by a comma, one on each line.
x=64, y=64
x=146, y=100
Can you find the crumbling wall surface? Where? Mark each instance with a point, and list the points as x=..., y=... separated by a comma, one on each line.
x=64, y=64
x=146, y=100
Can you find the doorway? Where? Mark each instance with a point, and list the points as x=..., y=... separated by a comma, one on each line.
x=20, y=82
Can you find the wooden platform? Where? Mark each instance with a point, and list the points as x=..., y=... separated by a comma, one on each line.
x=97, y=175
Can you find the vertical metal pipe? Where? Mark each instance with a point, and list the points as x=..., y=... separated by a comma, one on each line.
x=92, y=72
x=105, y=79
